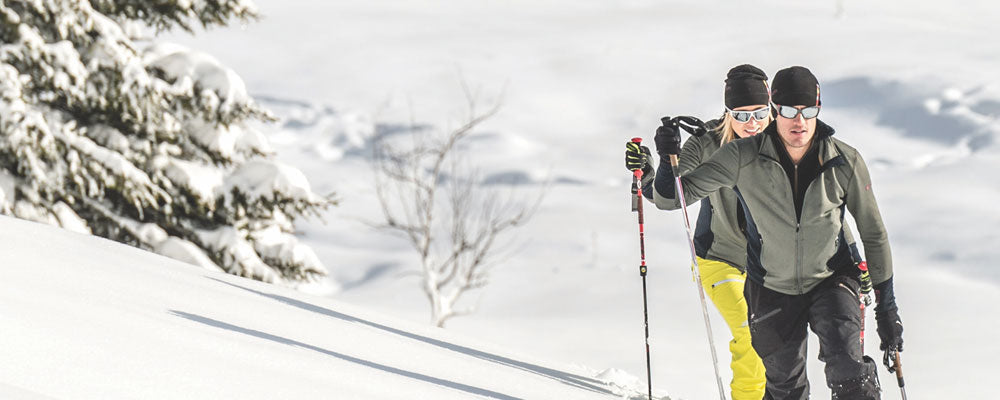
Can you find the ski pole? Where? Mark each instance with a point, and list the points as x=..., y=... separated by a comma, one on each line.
x=893, y=363
x=637, y=207
x=694, y=257
x=865, y=298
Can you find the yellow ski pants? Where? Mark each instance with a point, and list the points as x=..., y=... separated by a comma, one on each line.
x=724, y=285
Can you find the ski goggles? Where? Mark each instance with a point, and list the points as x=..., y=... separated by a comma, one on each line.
x=744, y=116
x=792, y=112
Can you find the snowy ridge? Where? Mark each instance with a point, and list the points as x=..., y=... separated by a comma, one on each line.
x=87, y=318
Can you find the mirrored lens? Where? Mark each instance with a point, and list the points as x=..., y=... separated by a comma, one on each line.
x=792, y=112
x=741, y=116
x=788, y=112
x=810, y=112
x=762, y=113
x=744, y=116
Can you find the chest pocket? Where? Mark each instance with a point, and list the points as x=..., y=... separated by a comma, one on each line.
x=829, y=189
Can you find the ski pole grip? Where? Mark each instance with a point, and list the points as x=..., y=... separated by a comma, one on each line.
x=673, y=164
x=637, y=173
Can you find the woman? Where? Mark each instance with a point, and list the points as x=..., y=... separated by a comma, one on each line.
x=719, y=241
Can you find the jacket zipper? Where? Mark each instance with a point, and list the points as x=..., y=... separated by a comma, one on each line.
x=798, y=226
x=795, y=185
x=798, y=257
x=798, y=279
x=798, y=223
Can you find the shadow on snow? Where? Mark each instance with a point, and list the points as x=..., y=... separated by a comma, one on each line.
x=574, y=380
x=385, y=368
x=902, y=107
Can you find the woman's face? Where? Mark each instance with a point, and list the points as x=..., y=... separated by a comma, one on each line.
x=753, y=126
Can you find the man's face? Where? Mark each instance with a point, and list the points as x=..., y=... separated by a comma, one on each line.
x=796, y=132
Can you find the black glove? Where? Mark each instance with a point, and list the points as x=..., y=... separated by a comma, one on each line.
x=668, y=138
x=638, y=156
x=890, y=328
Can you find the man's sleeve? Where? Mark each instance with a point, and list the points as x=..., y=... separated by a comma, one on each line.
x=718, y=171
x=689, y=158
x=862, y=205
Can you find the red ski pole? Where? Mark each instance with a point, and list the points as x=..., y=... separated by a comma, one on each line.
x=637, y=207
x=866, y=299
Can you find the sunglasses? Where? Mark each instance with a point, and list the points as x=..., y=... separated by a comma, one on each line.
x=792, y=112
x=743, y=116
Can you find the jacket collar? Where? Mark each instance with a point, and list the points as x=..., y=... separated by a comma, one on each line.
x=824, y=139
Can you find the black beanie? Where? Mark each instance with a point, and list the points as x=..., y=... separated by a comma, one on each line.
x=746, y=85
x=795, y=86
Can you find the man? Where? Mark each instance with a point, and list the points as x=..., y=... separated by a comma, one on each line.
x=793, y=182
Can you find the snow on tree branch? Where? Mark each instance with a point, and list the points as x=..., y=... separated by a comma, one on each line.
x=164, y=15
x=153, y=147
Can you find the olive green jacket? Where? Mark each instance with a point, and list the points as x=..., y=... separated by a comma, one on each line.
x=718, y=234
x=785, y=254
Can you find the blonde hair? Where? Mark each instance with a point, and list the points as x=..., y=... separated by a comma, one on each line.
x=725, y=128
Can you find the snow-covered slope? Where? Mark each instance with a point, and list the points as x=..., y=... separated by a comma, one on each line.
x=909, y=83
x=87, y=318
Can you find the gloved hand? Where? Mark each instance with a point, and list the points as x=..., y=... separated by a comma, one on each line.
x=637, y=156
x=668, y=138
x=890, y=328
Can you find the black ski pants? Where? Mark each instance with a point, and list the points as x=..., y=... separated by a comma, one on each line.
x=778, y=332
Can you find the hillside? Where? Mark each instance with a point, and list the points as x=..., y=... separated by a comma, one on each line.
x=87, y=318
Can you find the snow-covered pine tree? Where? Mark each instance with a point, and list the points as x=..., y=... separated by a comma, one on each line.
x=146, y=144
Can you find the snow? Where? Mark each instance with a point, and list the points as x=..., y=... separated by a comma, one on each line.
x=87, y=318
x=7, y=187
x=267, y=179
x=271, y=242
x=183, y=250
x=576, y=80
x=908, y=83
x=173, y=247
x=203, y=180
x=178, y=62
x=68, y=219
x=238, y=252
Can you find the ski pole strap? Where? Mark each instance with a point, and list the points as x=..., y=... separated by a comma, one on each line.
x=636, y=178
x=635, y=195
x=889, y=358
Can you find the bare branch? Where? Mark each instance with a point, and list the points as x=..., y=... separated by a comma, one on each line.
x=428, y=193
